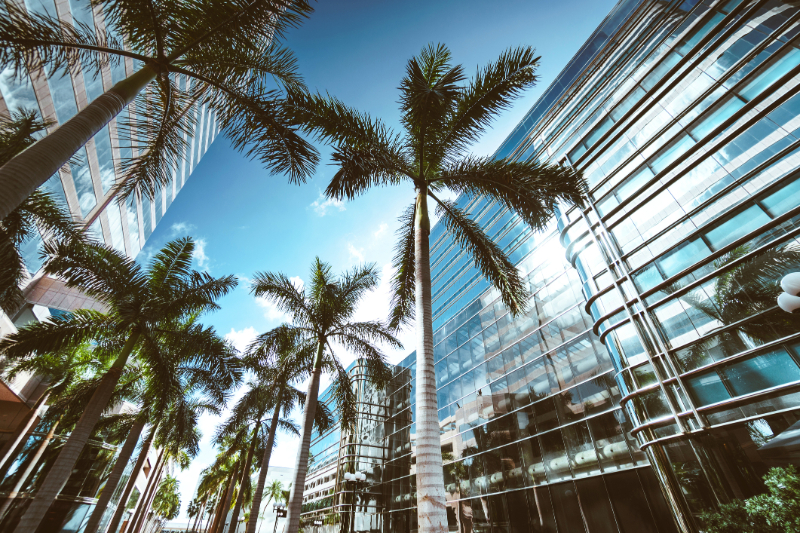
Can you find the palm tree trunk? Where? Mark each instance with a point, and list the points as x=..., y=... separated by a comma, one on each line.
x=245, y=477
x=431, y=507
x=153, y=487
x=31, y=466
x=223, y=515
x=218, y=512
x=117, y=518
x=116, y=474
x=296, y=495
x=62, y=468
x=24, y=173
x=199, y=518
x=212, y=517
x=255, y=508
x=8, y=450
x=142, y=502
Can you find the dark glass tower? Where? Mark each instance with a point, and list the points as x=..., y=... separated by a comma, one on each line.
x=653, y=377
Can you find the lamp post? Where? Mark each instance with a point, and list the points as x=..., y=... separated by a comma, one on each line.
x=356, y=480
x=789, y=300
x=280, y=512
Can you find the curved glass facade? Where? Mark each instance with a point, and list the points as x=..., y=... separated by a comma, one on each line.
x=653, y=376
x=76, y=501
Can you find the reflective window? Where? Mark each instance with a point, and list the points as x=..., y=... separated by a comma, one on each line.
x=133, y=225
x=17, y=91
x=102, y=143
x=83, y=182
x=146, y=216
x=63, y=95
x=115, y=226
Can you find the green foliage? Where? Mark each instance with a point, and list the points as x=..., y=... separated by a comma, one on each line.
x=777, y=511
x=167, y=501
x=39, y=212
x=442, y=115
x=229, y=50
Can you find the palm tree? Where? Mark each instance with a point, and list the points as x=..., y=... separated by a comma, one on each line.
x=274, y=491
x=195, y=510
x=176, y=384
x=226, y=49
x=441, y=117
x=38, y=212
x=144, y=310
x=167, y=502
x=278, y=358
x=322, y=315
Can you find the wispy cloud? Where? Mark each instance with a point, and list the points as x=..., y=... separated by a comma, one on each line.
x=271, y=311
x=241, y=338
x=356, y=254
x=381, y=230
x=199, y=254
x=182, y=228
x=321, y=205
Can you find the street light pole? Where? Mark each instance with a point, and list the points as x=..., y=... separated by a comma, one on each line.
x=280, y=512
x=355, y=479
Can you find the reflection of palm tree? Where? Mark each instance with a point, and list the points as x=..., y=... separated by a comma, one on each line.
x=747, y=290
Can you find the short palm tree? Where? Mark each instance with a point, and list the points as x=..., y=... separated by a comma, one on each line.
x=167, y=502
x=279, y=358
x=180, y=387
x=144, y=309
x=441, y=117
x=38, y=212
x=321, y=315
x=227, y=50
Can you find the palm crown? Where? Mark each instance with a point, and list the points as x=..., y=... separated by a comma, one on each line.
x=225, y=48
x=145, y=312
x=17, y=132
x=322, y=314
x=441, y=117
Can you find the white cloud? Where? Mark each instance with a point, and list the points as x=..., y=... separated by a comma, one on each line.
x=199, y=254
x=298, y=282
x=356, y=254
x=242, y=338
x=321, y=205
x=381, y=230
x=182, y=228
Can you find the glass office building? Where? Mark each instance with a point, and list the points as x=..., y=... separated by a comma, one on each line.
x=85, y=185
x=654, y=376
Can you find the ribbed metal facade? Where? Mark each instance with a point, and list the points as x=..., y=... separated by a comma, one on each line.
x=654, y=377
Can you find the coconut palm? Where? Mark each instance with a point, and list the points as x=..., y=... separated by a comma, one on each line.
x=227, y=49
x=195, y=510
x=144, y=310
x=320, y=315
x=442, y=115
x=174, y=384
x=38, y=212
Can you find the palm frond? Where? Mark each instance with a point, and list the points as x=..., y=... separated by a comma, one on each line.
x=489, y=258
x=529, y=188
x=98, y=270
x=490, y=92
x=341, y=393
x=404, y=279
x=58, y=333
x=280, y=290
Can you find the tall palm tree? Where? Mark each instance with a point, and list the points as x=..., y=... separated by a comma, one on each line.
x=226, y=48
x=321, y=315
x=173, y=385
x=144, y=310
x=442, y=115
x=167, y=502
x=38, y=212
x=279, y=358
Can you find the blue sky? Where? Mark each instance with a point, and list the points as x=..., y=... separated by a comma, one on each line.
x=246, y=220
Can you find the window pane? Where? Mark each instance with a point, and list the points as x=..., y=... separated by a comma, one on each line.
x=554, y=453
x=115, y=225
x=761, y=372
x=102, y=143
x=567, y=510
x=17, y=92
x=133, y=225
x=737, y=227
x=83, y=182
x=629, y=503
x=596, y=505
x=63, y=95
